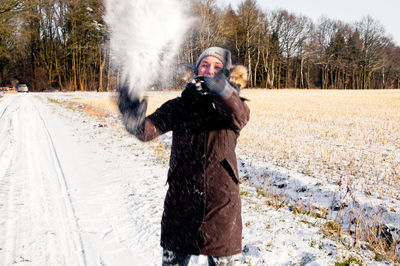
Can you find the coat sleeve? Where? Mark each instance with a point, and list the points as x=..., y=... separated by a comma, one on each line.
x=159, y=122
x=234, y=110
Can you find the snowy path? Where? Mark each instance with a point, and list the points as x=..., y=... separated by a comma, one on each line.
x=34, y=191
x=60, y=205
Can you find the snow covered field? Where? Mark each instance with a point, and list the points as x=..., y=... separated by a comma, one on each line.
x=78, y=190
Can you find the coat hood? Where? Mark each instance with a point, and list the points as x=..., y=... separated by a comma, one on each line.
x=238, y=74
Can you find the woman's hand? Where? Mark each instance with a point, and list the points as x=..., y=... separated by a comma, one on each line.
x=133, y=111
x=219, y=85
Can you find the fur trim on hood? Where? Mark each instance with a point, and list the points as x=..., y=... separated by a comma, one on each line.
x=239, y=76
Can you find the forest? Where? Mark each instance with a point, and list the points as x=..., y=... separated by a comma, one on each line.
x=62, y=44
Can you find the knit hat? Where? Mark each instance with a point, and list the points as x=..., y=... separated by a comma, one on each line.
x=222, y=54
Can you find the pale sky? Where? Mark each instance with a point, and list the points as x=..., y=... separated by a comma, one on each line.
x=384, y=11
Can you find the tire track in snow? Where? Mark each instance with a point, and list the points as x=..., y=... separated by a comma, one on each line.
x=11, y=188
x=3, y=127
x=94, y=183
x=7, y=192
x=4, y=102
x=65, y=193
x=5, y=109
x=36, y=224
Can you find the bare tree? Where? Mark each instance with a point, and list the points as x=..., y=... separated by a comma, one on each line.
x=374, y=45
x=322, y=36
x=249, y=33
x=207, y=31
x=8, y=11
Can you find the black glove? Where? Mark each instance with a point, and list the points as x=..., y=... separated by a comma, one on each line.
x=219, y=85
x=133, y=111
x=200, y=86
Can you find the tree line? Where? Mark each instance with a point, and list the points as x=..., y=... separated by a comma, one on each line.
x=63, y=44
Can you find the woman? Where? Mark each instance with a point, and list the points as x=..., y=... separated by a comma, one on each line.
x=202, y=208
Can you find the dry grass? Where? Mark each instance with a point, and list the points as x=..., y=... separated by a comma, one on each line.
x=347, y=138
x=109, y=105
x=99, y=105
x=329, y=134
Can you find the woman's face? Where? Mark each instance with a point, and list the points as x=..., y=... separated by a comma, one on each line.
x=209, y=66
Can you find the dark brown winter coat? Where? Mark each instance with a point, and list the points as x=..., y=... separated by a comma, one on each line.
x=202, y=208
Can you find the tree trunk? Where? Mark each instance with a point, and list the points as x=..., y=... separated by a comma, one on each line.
x=102, y=63
x=58, y=73
x=250, y=69
x=273, y=73
x=256, y=66
x=287, y=72
x=301, y=72
x=279, y=75
x=74, y=77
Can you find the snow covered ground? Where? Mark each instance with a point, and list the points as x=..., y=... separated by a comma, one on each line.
x=78, y=190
